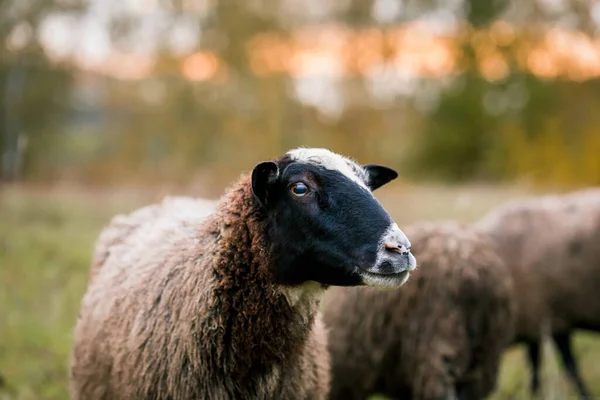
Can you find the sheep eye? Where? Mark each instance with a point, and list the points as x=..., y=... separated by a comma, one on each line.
x=299, y=189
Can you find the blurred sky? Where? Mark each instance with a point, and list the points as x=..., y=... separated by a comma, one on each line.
x=88, y=37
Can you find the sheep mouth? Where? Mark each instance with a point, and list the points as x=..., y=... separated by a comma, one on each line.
x=383, y=281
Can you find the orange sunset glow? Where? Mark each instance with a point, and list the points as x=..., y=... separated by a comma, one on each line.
x=339, y=51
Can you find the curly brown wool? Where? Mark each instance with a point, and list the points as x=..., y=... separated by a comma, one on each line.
x=442, y=334
x=200, y=318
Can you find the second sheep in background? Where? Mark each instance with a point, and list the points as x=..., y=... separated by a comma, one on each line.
x=551, y=245
x=439, y=337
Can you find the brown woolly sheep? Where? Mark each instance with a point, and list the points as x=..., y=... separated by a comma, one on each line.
x=551, y=245
x=439, y=337
x=224, y=306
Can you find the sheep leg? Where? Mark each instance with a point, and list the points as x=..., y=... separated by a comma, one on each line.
x=533, y=351
x=563, y=343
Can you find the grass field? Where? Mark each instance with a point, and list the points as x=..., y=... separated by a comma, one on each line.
x=46, y=238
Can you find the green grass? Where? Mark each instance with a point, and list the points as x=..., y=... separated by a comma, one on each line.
x=45, y=246
x=46, y=239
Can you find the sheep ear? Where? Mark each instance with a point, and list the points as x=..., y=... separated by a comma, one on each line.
x=263, y=175
x=379, y=175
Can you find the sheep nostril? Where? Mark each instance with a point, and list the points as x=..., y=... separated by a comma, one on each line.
x=391, y=246
x=396, y=248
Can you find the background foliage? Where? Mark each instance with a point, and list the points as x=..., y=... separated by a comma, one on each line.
x=514, y=103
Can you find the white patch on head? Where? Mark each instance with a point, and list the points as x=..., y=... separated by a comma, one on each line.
x=332, y=161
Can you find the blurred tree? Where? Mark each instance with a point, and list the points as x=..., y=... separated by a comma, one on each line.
x=492, y=128
x=454, y=142
x=34, y=89
x=482, y=13
x=453, y=145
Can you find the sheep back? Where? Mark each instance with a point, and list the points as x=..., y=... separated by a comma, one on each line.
x=550, y=245
x=170, y=211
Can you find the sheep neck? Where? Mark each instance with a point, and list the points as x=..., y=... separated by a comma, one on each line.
x=262, y=329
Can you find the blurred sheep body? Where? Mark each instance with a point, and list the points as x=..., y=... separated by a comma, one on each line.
x=191, y=300
x=551, y=244
x=440, y=336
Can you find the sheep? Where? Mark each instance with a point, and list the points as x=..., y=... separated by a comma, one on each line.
x=225, y=306
x=439, y=337
x=551, y=246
